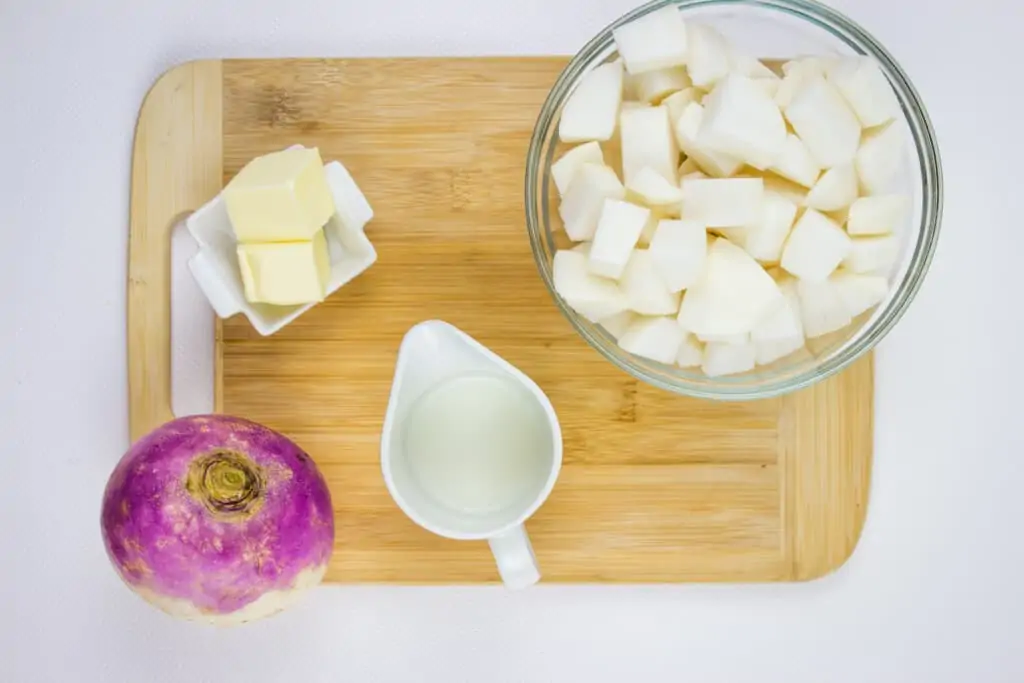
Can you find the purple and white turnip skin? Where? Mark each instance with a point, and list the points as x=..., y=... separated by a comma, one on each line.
x=217, y=518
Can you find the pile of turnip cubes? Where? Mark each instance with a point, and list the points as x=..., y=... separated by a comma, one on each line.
x=777, y=226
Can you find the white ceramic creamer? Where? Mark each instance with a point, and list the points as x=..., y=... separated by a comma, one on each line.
x=471, y=446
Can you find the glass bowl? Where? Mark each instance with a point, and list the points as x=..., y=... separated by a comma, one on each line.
x=770, y=30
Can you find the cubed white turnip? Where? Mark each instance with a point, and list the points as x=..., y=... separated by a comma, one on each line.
x=647, y=142
x=732, y=296
x=816, y=246
x=581, y=206
x=764, y=238
x=784, y=322
x=691, y=352
x=676, y=103
x=616, y=325
x=824, y=121
x=679, y=252
x=742, y=338
x=879, y=157
x=872, y=254
x=766, y=352
x=657, y=40
x=618, y=230
x=741, y=120
x=866, y=89
x=728, y=359
x=687, y=128
x=646, y=292
x=859, y=292
x=592, y=109
x=709, y=51
x=722, y=202
x=564, y=170
x=593, y=297
x=836, y=189
x=653, y=190
x=795, y=163
x=822, y=309
x=653, y=87
x=877, y=215
x=655, y=338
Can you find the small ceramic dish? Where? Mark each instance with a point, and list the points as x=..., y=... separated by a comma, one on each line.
x=215, y=266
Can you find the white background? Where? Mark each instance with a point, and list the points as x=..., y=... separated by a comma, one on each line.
x=934, y=592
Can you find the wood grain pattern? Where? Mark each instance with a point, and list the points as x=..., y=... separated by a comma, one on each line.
x=655, y=487
x=176, y=168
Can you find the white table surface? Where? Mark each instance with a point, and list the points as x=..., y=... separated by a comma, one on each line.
x=934, y=592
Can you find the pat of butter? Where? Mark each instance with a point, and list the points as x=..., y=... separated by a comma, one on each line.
x=285, y=273
x=280, y=197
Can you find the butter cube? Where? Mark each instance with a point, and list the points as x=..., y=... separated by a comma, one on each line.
x=280, y=197
x=285, y=273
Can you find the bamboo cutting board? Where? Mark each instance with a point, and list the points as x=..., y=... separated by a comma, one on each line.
x=655, y=487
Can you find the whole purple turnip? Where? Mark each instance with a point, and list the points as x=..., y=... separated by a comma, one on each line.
x=217, y=518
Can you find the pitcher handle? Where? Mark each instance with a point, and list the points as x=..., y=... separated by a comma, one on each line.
x=513, y=552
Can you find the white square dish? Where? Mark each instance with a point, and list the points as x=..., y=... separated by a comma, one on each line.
x=215, y=266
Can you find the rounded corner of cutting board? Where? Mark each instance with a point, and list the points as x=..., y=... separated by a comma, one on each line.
x=171, y=80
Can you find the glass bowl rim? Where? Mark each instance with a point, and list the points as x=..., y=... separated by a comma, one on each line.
x=925, y=146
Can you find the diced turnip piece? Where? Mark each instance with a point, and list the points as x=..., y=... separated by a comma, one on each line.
x=733, y=295
x=656, y=338
x=693, y=174
x=872, y=254
x=581, y=206
x=728, y=359
x=593, y=297
x=687, y=167
x=763, y=239
x=646, y=292
x=708, y=61
x=656, y=40
x=822, y=310
x=735, y=235
x=784, y=322
x=687, y=129
x=649, y=227
x=676, y=103
x=742, y=121
x=813, y=65
x=564, y=170
x=787, y=88
x=618, y=230
x=722, y=202
x=679, y=252
x=825, y=123
x=877, y=215
x=647, y=141
x=766, y=352
x=836, y=189
x=691, y=352
x=879, y=157
x=860, y=292
x=654, y=86
x=866, y=89
x=653, y=190
x=816, y=246
x=790, y=190
x=616, y=325
x=745, y=65
x=796, y=163
x=592, y=109
x=724, y=338
x=769, y=86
